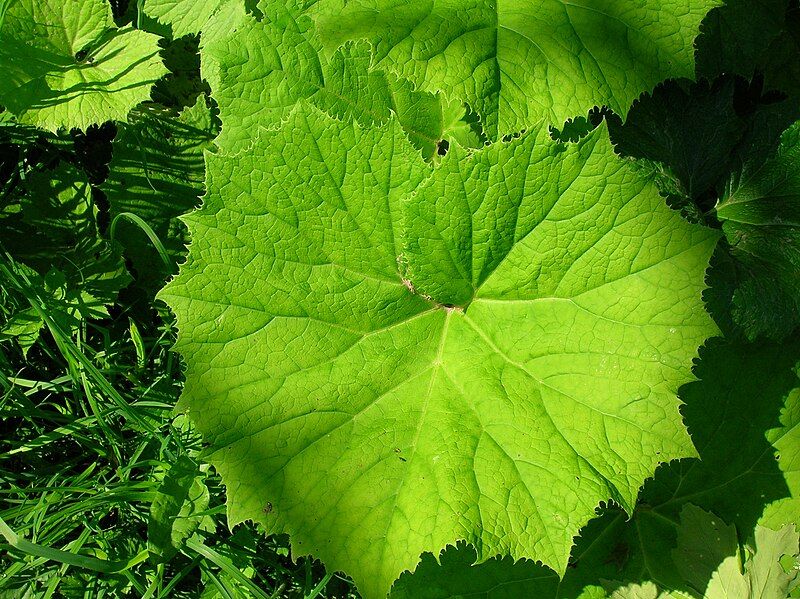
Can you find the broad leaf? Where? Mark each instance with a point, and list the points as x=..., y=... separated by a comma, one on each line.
x=185, y=17
x=65, y=64
x=335, y=386
x=452, y=575
x=260, y=69
x=760, y=210
x=743, y=391
x=781, y=62
x=518, y=62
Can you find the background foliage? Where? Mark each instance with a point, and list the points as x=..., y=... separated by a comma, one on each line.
x=103, y=491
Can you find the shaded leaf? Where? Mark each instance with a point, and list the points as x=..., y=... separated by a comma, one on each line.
x=760, y=210
x=735, y=38
x=517, y=63
x=65, y=64
x=157, y=173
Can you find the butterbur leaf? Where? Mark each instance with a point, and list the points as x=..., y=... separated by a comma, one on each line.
x=747, y=397
x=518, y=62
x=430, y=121
x=345, y=400
x=185, y=17
x=780, y=64
x=65, y=64
x=452, y=575
x=459, y=125
x=767, y=565
x=260, y=69
x=760, y=210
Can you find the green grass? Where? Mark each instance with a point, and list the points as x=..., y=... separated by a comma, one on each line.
x=90, y=434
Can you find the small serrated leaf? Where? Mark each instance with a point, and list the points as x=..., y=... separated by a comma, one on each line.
x=173, y=514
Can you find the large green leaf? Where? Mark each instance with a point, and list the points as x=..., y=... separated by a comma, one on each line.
x=185, y=17
x=518, y=62
x=335, y=386
x=261, y=68
x=781, y=62
x=65, y=64
x=760, y=210
x=747, y=398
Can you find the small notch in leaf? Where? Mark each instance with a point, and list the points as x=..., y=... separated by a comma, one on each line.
x=442, y=147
